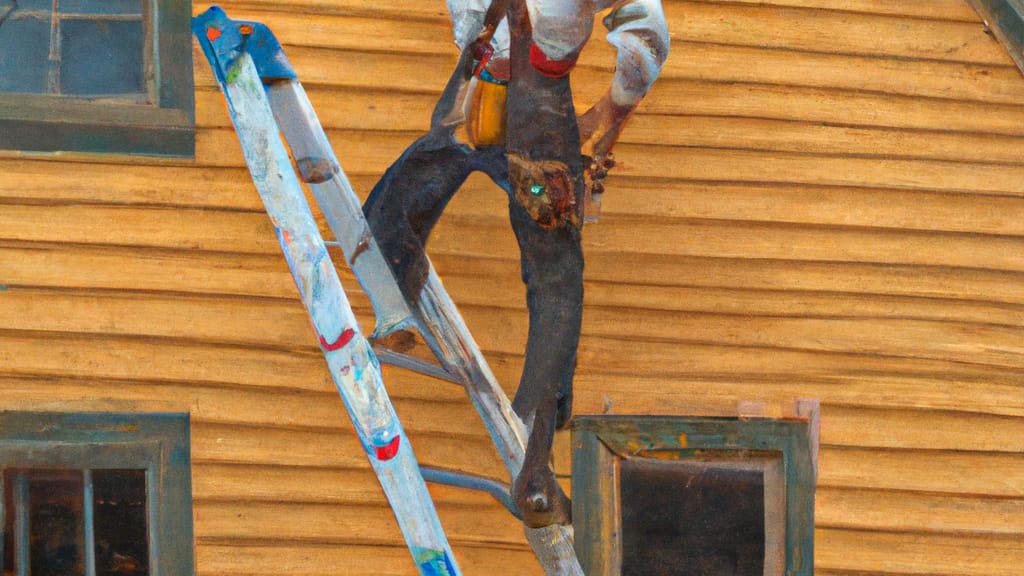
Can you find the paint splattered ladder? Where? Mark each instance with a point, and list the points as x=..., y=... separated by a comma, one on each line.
x=259, y=85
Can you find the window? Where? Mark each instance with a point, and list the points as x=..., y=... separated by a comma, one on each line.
x=96, y=76
x=95, y=495
x=691, y=496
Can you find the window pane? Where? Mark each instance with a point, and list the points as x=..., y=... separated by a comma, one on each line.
x=684, y=520
x=57, y=526
x=101, y=57
x=105, y=7
x=120, y=513
x=25, y=47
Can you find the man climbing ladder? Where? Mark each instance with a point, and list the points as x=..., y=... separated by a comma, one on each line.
x=521, y=130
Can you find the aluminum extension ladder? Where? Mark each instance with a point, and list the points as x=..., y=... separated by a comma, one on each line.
x=266, y=101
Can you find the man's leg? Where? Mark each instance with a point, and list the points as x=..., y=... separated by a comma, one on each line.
x=552, y=268
x=408, y=200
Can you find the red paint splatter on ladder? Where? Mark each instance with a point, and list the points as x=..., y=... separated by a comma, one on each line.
x=345, y=337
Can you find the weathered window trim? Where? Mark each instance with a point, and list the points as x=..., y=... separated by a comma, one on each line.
x=164, y=127
x=159, y=443
x=600, y=443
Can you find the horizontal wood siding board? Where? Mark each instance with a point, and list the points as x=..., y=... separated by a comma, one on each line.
x=349, y=109
x=933, y=471
x=708, y=358
x=351, y=523
x=868, y=278
x=245, y=232
x=124, y=268
x=953, y=345
x=854, y=418
x=715, y=199
x=984, y=345
x=953, y=10
x=818, y=138
x=230, y=319
x=829, y=104
x=85, y=355
x=694, y=390
x=890, y=76
x=846, y=377
x=385, y=106
x=678, y=283
x=857, y=508
x=371, y=152
x=261, y=558
x=234, y=444
x=249, y=406
x=722, y=239
x=916, y=553
x=157, y=185
x=241, y=483
x=174, y=228
x=947, y=430
x=839, y=31
x=127, y=267
x=250, y=233
x=841, y=206
x=702, y=61
x=396, y=9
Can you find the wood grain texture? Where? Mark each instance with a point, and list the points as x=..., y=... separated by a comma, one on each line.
x=812, y=29
x=818, y=199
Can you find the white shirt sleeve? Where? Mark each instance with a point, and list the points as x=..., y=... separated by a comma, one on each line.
x=638, y=31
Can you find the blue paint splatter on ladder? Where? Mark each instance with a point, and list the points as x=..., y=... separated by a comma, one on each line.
x=433, y=562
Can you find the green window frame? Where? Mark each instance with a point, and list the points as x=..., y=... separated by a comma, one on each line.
x=159, y=121
x=783, y=451
x=93, y=443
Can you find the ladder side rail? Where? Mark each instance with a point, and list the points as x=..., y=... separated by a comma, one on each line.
x=459, y=354
x=352, y=363
x=354, y=366
x=320, y=169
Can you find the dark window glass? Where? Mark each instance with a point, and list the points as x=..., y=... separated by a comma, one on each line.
x=106, y=76
x=679, y=519
x=110, y=492
x=100, y=57
x=56, y=523
x=25, y=48
x=88, y=48
x=122, y=541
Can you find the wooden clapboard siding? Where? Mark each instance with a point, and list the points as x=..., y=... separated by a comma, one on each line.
x=818, y=199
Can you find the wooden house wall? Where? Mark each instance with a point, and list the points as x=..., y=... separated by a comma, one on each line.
x=818, y=199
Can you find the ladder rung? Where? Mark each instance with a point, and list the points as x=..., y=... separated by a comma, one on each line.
x=387, y=356
x=499, y=490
